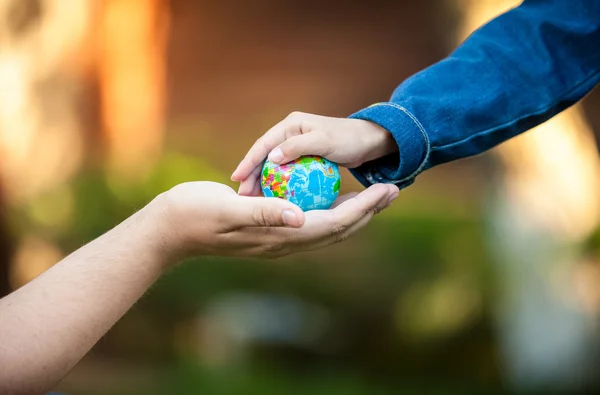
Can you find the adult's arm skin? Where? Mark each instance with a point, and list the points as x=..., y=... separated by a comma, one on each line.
x=49, y=324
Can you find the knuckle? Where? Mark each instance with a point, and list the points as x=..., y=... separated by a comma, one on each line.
x=340, y=232
x=267, y=218
x=260, y=217
x=377, y=210
x=295, y=115
x=342, y=237
x=290, y=133
x=307, y=126
x=274, y=250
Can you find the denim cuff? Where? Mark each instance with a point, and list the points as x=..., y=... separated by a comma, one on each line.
x=402, y=167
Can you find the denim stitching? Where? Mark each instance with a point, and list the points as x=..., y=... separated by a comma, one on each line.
x=421, y=129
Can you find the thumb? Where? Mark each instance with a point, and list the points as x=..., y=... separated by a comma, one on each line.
x=314, y=143
x=262, y=211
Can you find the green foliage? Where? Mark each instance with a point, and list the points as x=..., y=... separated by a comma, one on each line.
x=95, y=201
x=387, y=293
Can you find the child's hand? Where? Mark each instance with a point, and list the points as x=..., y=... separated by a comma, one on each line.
x=206, y=218
x=348, y=142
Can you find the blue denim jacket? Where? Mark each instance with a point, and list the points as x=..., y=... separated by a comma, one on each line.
x=512, y=74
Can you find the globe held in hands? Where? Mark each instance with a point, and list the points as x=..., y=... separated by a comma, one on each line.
x=310, y=182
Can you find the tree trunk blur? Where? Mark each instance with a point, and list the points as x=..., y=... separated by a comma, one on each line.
x=131, y=68
x=44, y=70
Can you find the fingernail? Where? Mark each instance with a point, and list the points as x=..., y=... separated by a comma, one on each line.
x=276, y=156
x=392, y=198
x=289, y=217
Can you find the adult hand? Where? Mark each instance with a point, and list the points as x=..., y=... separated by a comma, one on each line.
x=206, y=218
x=348, y=142
x=48, y=324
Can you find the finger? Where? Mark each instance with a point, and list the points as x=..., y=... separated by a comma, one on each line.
x=394, y=192
x=341, y=231
x=278, y=241
x=258, y=153
x=322, y=227
x=343, y=198
x=351, y=211
x=261, y=211
x=341, y=236
x=251, y=185
x=250, y=188
x=314, y=143
x=322, y=224
x=356, y=226
x=261, y=148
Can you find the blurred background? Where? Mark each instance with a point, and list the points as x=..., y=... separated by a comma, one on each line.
x=484, y=277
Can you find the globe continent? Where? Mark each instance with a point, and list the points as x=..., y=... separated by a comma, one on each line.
x=310, y=182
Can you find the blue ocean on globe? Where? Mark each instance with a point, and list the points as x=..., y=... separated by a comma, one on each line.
x=310, y=182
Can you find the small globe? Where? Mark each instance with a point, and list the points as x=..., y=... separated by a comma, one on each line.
x=310, y=182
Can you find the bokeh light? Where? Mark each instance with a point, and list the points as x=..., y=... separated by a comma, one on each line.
x=482, y=278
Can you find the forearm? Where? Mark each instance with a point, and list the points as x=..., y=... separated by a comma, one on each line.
x=512, y=74
x=49, y=324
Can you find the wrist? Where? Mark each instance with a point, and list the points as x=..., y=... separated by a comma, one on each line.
x=380, y=142
x=164, y=237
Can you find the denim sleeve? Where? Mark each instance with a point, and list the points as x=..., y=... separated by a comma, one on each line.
x=512, y=74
